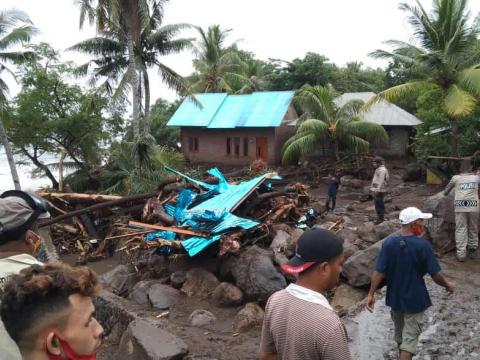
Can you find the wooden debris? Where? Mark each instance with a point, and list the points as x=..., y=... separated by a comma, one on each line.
x=167, y=228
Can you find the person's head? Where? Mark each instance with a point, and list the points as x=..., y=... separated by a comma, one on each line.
x=48, y=311
x=412, y=220
x=20, y=215
x=377, y=161
x=318, y=259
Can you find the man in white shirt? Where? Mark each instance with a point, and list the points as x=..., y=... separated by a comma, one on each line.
x=466, y=207
x=379, y=187
x=299, y=322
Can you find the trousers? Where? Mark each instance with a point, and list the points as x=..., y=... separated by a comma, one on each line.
x=330, y=199
x=466, y=232
x=379, y=202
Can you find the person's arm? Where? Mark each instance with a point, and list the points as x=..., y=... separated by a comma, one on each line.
x=450, y=186
x=377, y=279
x=336, y=346
x=268, y=356
x=267, y=344
x=440, y=280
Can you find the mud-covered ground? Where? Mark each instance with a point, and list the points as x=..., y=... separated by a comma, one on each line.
x=453, y=323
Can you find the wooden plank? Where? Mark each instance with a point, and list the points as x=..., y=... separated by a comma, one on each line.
x=167, y=228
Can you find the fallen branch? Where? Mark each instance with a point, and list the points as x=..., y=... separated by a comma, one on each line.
x=79, y=197
x=167, y=228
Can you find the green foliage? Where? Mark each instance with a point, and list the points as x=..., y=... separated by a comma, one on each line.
x=337, y=128
x=160, y=113
x=445, y=56
x=430, y=111
x=50, y=115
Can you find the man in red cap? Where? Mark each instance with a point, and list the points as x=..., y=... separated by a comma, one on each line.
x=299, y=322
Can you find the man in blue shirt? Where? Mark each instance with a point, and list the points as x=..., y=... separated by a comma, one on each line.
x=332, y=186
x=404, y=260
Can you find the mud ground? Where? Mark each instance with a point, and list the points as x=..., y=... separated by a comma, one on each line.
x=452, y=324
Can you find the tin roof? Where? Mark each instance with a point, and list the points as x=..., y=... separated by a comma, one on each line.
x=383, y=113
x=223, y=111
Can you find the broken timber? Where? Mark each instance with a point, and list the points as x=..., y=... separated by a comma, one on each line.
x=166, y=228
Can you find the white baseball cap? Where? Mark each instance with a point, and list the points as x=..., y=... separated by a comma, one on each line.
x=411, y=214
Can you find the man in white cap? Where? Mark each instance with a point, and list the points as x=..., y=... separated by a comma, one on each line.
x=405, y=258
x=467, y=208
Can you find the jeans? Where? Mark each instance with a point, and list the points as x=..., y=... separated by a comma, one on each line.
x=333, y=200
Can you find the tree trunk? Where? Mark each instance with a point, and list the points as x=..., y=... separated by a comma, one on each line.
x=8, y=152
x=146, y=117
x=132, y=23
x=454, y=138
x=43, y=167
x=63, y=153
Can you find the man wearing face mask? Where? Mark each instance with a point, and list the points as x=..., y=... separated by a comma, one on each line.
x=48, y=311
x=20, y=245
x=404, y=260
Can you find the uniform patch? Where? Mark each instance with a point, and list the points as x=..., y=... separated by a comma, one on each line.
x=466, y=203
x=468, y=186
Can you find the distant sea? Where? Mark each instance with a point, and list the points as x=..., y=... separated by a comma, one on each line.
x=27, y=182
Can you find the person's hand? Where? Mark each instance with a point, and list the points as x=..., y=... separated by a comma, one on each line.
x=370, y=302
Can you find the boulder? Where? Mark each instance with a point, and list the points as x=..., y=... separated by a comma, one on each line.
x=250, y=316
x=254, y=273
x=367, y=233
x=202, y=318
x=227, y=294
x=413, y=172
x=178, y=278
x=120, y=280
x=347, y=296
x=359, y=268
x=281, y=240
x=283, y=227
x=350, y=238
x=280, y=258
x=139, y=292
x=200, y=283
x=351, y=182
x=295, y=236
x=386, y=228
x=145, y=340
x=441, y=229
x=163, y=296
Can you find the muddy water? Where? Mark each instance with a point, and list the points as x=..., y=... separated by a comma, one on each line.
x=452, y=325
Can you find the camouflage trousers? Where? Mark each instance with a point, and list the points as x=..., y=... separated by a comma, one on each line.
x=466, y=232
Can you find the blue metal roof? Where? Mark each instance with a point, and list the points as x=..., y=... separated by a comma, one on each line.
x=223, y=111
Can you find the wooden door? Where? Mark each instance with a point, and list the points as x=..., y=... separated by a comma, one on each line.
x=262, y=149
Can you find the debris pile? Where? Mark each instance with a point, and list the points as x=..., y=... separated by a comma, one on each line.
x=185, y=216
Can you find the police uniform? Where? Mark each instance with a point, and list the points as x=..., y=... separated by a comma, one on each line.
x=467, y=208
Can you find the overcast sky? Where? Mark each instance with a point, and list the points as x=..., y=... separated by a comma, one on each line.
x=342, y=30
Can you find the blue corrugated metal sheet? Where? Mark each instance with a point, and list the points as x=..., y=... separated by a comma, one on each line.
x=268, y=109
x=190, y=114
x=222, y=111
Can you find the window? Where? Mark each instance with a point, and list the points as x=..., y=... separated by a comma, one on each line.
x=237, y=146
x=229, y=146
x=190, y=144
x=193, y=144
x=245, y=146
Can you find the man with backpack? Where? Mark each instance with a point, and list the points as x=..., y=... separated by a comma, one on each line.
x=404, y=260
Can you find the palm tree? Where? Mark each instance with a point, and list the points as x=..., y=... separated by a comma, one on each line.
x=111, y=63
x=15, y=28
x=130, y=16
x=446, y=57
x=215, y=65
x=249, y=78
x=337, y=128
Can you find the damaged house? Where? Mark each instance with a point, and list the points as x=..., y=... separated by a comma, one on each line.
x=398, y=123
x=235, y=129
